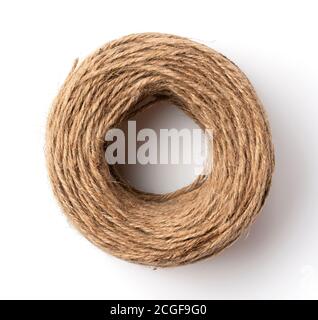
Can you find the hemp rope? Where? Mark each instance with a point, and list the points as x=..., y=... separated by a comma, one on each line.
x=194, y=222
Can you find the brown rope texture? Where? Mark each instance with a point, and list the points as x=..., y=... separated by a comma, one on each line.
x=194, y=222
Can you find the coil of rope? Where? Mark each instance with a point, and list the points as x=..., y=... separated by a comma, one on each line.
x=194, y=222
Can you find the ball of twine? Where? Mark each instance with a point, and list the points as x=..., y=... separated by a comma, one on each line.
x=194, y=222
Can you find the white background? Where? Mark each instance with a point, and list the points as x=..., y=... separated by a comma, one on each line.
x=275, y=44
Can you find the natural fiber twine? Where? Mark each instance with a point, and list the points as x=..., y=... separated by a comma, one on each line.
x=159, y=230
